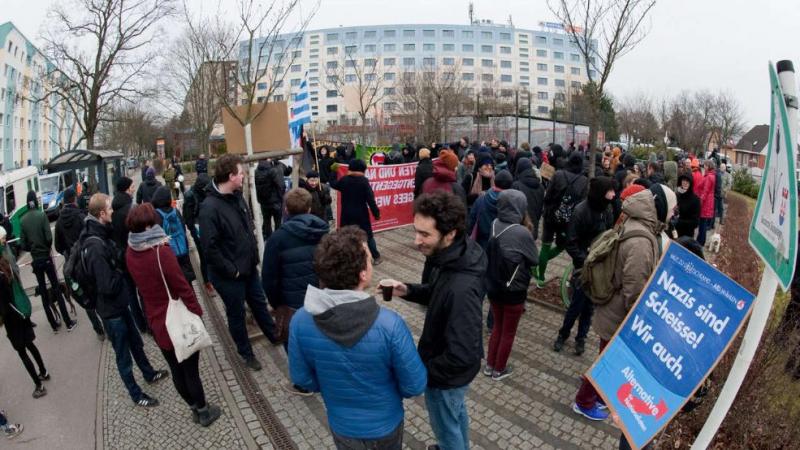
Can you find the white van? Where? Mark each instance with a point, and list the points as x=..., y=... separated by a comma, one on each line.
x=14, y=187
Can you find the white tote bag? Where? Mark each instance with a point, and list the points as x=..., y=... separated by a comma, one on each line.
x=185, y=328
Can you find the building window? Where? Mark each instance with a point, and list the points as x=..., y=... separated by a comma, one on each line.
x=448, y=33
x=575, y=71
x=560, y=83
x=408, y=76
x=389, y=47
x=350, y=63
x=575, y=84
x=466, y=34
x=448, y=61
x=331, y=93
x=331, y=65
x=487, y=77
x=449, y=47
x=505, y=64
x=486, y=35
x=558, y=69
x=370, y=62
x=487, y=48
x=541, y=53
x=487, y=63
x=558, y=42
x=560, y=97
x=370, y=34
x=428, y=61
x=409, y=47
x=332, y=78
x=429, y=47
x=350, y=49
x=542, y=67
x=350, y=78
x=487, y=91
x=277, y=98
x=574, y=57
x=332, y=37
x=333, y=50
x=541, y=40
x=295, y=82
x=370, y=77
x=388, y=76
x=408, y=61
x=388, y=61
x=541, y=81
x=505, y=36
x=331, y=108
x=389, y=106
x=428, y=33
x=409, y=33
x=467, y=76
x=467, y=48
x=542, y=109
x=541, y=95
x=278, y=84
x=389, y=33
x=505, y=78
x=558, y=55
x=370, y=48
x=259, y=86
x=505, y=50
x=592, y=73
x=296, y=68
x=468, y=62
x=351, y=35
x=388, y=91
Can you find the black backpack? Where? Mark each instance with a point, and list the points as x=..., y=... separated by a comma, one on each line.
x=573, y=195
x=75, y=270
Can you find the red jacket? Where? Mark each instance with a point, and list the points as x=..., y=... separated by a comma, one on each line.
x=697, y=182
x=706, y=194
x=143, y=267
x=443, y=178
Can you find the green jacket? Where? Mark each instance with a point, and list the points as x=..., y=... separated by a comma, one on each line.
x=35, y=235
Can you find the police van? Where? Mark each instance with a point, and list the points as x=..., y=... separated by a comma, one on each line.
x=14, y=187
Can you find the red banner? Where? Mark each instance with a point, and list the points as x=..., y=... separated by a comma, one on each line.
x=394, y=193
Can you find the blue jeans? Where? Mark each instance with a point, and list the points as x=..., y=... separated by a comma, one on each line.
x=127, y=341
x=373, y=247
x=447, y=409
x=234, y=294
x=580, y=309
x=705, y=226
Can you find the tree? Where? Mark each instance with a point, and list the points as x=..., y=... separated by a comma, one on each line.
x=577, y=103
x=101, y=50
x=602, y=31
x=728, y=117
x=361, y=82
x=130, y=129
x=637, y=120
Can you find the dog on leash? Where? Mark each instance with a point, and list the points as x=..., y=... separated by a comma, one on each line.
x=714, y=243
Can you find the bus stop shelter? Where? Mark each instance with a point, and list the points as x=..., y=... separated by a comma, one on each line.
x=102, y=167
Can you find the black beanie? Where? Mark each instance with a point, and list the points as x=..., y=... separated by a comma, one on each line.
x=598, y=187
x=70, y=195
x=123, y=184
x=503, y=180
x=660, y=201
x=357, y=165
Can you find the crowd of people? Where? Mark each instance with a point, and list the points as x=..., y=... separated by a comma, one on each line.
x=478, y=210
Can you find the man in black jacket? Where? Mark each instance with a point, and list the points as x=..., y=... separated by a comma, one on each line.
x=529, y=183
x=591, y=217
x=358, y=200
x=104, y=266
x=121, y=204
x=192, y=199
x=452, y=288
x=69, y=227
x=201, y=165
x=226, y=234
x=270, y=189
x=148, y=187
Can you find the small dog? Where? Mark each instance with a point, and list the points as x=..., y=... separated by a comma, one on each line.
x=714, y=242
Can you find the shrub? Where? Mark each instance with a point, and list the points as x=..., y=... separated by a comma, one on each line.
x=744, y=183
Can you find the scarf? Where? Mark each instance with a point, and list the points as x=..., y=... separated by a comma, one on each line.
x=477, y=185
x=147, y=239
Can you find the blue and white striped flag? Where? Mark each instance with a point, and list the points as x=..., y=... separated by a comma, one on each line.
x=300, y=112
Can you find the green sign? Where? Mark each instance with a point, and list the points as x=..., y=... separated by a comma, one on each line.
x=773, y=231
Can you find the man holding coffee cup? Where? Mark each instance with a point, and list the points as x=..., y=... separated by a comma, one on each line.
x=452, y=288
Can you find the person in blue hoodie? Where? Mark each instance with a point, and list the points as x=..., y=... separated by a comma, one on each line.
x=484, y=211
x=359, y=355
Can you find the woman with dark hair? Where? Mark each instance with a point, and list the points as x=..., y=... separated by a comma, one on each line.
x=325, y=162
x=149, y=259
x=15, y=307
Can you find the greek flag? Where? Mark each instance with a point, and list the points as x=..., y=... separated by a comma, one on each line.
x=300, y=113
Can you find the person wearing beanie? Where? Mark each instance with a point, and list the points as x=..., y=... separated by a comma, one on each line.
x=688, y=217
x=646, y=215
x=121, y=204
x=148, y=187
x=171, y=221
x=320, y=194
x=484, y=211
x=500, y=162
x=483, y=179
x=444, y=176
x=591, y=218
x=566, y=189
x=697, y=176
x=465, y=169
x=358, y=200
x=449, y=159
x=424, y=171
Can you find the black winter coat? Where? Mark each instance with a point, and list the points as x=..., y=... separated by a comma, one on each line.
x=270, y=187
x=201, y=166
x=104, y=265
x=146, y=190
x=68, y=228
x=226, y=234
x=451, y=345
x=587, y=223
x=688, y=218
x=122, y=206
x=424, y=171
x=288, y=267
x=357, y=202
x=530, y=185
x=563, y=181
x=325, y=168
x=320, y=198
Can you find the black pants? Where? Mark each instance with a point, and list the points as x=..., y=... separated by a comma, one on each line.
x=200, y=253
x=42, y=267
x=134, y=305
x=394, y=441
x=186, y=378
x=270, y=213
x=97, y=323
x=26, y=361
x=580, y=309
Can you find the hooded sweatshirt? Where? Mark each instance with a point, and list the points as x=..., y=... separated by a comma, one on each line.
x=590, y=218
x=531, y=185
x=146, y=190
x=35, y=235
x=68, y=228
x=443, y=179
x=121, y=204
x=361, y=357
x=511, y=250
x=688, y=209
x=483, y=212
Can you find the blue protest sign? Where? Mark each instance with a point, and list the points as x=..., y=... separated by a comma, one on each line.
x=674, y=335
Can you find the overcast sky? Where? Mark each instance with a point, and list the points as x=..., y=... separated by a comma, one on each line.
x=693, y=44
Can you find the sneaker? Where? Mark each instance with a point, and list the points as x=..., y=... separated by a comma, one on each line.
x=505, y=373
x=44, y=376
x=13, y=429
x=580, y=347
x=147, y=401
x=377, y=261
x=601, y=405
x=558, y=345
x=40, y=391
x=539, y=284
x=160, y=375
x=595, y=413
x=488, y=370
x=72, y=326
x=253, y=364
x=297, y=390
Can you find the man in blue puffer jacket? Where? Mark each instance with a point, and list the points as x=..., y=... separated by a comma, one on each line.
x=361, y=357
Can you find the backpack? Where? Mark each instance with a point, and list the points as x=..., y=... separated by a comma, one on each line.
x=174, y=228
x=563, y=213
x=75, y=271
x=597, y=275
x=501, y=274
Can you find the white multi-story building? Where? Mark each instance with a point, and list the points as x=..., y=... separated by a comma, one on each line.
x=543, y=63
x=33, y=130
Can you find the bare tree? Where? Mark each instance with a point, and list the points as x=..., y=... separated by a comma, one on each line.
x=603, y=31
x=101, y=50
x=637, y=119
x=129, y=128
x=359, y=81
x=728, y=117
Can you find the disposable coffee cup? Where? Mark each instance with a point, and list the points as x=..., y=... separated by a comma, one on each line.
x=387, y=287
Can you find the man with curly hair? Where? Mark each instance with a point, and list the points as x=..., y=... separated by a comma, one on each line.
x=452, y=288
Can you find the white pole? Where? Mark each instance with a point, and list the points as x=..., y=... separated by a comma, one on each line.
x=248, y=142
x=762, y=306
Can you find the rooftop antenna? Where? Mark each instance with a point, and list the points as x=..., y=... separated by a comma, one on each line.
x=471, y=13
x=510, y=21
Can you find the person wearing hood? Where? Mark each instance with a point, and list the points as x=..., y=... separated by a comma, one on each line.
x=122, y=202
x=646, y=213
x=465, y=170
x=482, y=179
x=408, y=154
x=358, y=201
x=320, y=194
x=359, y=355
x=201, y=165
x=171, y=222
x=69, y=227
x=529, y=183
x=590, y=219
x=452, y=289
x=226, y=235
x=444, y=176
x=654, y=173
x=111, y=292
x=688, y=217
x=697, y=176
x=288, y=264
x=36, y=238
x=192, y=199
x=270, y=188
x=511, y=254
x=706, y=194
x=500, y=162
x=148, y=187
x=424, y=171
x=149, y=258
x=558, y=157
x=484, y=211
x=671, y=174
x=538, y=157
x=566, y=189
